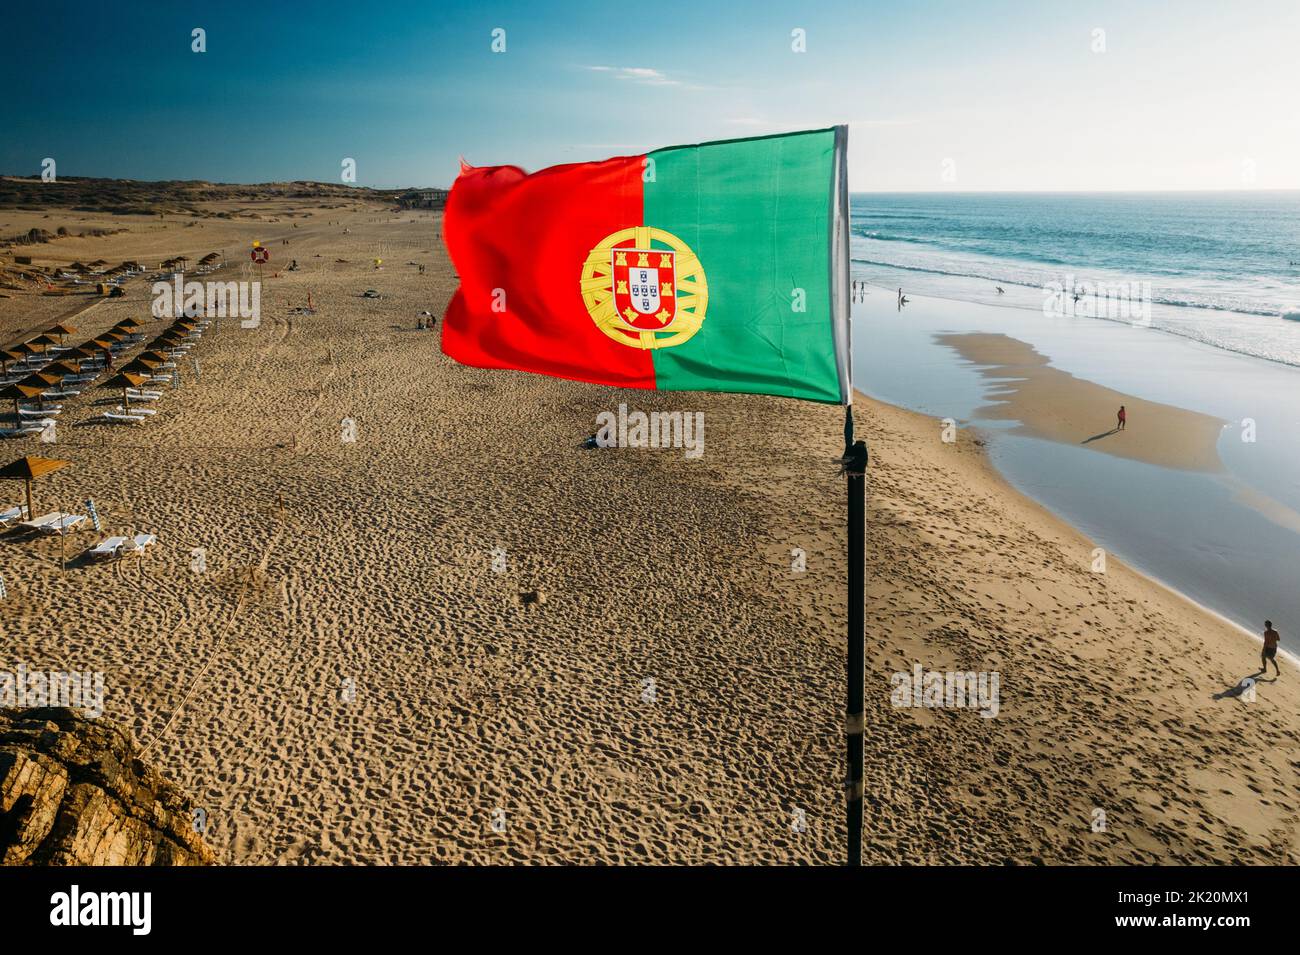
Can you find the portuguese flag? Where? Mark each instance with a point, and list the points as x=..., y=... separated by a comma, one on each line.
x=716, y=267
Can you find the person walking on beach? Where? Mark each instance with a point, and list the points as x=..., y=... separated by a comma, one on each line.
x=1270, y=649
x=1122, y=419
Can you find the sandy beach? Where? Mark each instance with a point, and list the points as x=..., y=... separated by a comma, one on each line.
x=1056, y=405
x=460, y=638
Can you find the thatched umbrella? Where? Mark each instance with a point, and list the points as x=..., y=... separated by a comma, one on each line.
x=125, y=380
x=140, y=366
x=64, y=366
x=42, y=377
x=43, y=380
x=28, y=469
x=21, y=392
x=129, y=323
x=63, y=331
x=87, y=350
x=154, y=356
x=46, y=340
x=8, y=355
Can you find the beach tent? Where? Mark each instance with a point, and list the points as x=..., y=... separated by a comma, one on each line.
x=28, y=469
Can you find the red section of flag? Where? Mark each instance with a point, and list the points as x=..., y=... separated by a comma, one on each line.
x=520, y=241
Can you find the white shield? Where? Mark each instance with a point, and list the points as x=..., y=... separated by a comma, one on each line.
x=643, y=287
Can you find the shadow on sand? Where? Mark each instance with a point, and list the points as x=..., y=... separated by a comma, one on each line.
x=1235, y=691
x=1097, y=437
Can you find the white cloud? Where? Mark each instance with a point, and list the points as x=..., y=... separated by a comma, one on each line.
x=638, y=74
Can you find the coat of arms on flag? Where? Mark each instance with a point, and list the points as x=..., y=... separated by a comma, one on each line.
x=643, y=287
x=641, y=283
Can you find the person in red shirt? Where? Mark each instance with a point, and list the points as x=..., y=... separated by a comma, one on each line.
x=1270, y=649
x=1123, y=419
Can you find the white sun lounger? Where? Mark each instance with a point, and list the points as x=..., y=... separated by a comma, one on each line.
x=138, y=544
x=120, y=409
x=24, y=431
x=136, y=395
x=122, y=418
x=48, y=410
x=11, y=514
x=54, y=523
x=106, y=548
x=62, y=393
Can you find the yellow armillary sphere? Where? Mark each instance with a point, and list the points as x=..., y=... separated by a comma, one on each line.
x=645, y=287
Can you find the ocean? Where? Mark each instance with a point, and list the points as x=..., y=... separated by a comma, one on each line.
x=1216, y=342
x=1223, y=268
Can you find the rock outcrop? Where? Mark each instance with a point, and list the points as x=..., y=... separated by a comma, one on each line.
x=74, y=792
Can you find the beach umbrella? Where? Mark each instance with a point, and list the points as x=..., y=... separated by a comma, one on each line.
x=138, y=366
x=46, y=340
x=129, y=323
x=21, y=392
x=63, y=331
x=124, y=380
x=43, y=380
x=8, y=355
x=62, y=367
x=154, y=356
x=87, y=350
x=28, y=469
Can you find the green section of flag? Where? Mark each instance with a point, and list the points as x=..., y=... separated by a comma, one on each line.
x=757, y=212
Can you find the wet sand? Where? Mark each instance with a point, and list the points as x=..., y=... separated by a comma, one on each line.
x=1054, y=404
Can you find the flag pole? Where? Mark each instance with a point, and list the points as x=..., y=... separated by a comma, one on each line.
x=855, y=467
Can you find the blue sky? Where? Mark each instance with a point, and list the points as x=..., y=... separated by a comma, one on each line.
x=977, y=95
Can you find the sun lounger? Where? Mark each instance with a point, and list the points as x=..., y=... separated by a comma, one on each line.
x=62, y=393
x=48, y=411
x=135, y=411
x=108, y=548
x=137, y=395
x=122, y=418
x=53, y=523
x=137, y=545
x=11, y=514
x=24, y=431
x=66, y=523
